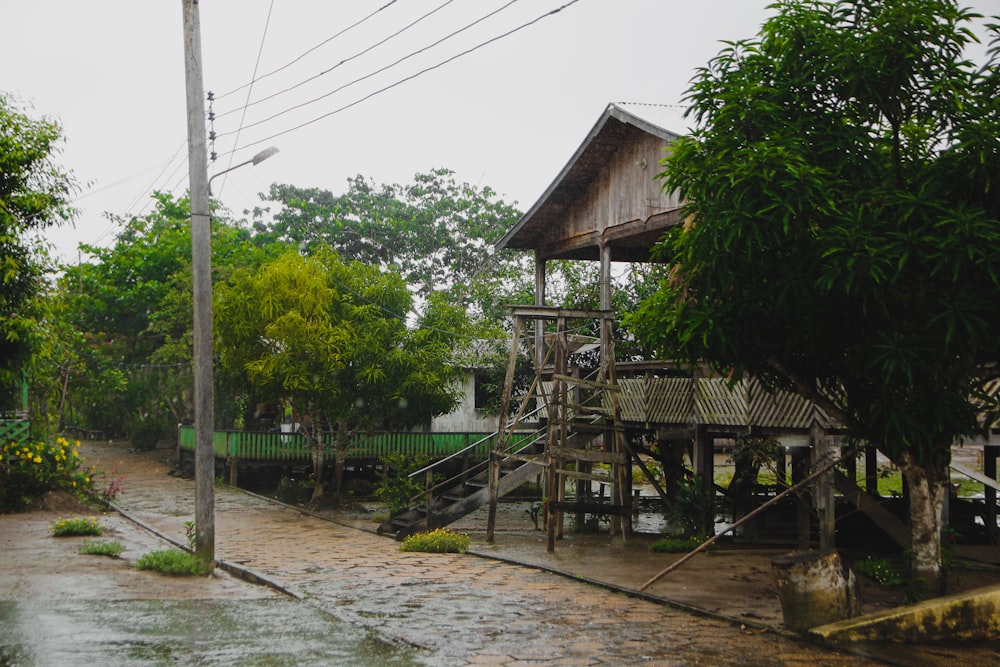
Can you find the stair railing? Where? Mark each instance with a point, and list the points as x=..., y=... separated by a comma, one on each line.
x=428, y=470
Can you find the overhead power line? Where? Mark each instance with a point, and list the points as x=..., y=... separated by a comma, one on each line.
x=405, y=79
x=243, y=115
x=378, y=71
x=295, y=60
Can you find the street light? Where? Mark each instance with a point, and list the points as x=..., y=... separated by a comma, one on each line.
x=204, y=410
x=255, y=160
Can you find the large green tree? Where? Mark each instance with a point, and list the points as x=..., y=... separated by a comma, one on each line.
x=34, y=194
x=133, y=302
x=436, y=232
x=331, y=339
x=841, y=235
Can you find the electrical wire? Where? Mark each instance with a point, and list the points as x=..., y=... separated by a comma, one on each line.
x=345, y=60
x=378, y=71
x=260, y=51
x=295, y=60
x=406, y=79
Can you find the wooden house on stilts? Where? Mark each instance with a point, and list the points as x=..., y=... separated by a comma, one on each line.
x=607, y=206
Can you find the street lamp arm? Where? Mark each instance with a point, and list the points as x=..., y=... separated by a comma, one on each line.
x=255, y=160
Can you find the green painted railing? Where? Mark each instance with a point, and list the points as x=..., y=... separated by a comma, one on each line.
x=277, y=447
x=16, y=429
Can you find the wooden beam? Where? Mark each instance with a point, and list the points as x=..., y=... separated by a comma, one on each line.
x=873, y=509
x=592, y=455
x=603, y=479
x=976, y=476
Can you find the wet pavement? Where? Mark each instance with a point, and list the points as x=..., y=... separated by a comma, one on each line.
x=512, y=604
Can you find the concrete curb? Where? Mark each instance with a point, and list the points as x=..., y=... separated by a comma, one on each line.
x=232, y=568
x=973, y=614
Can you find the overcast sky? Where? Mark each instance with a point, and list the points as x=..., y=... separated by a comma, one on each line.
x=509, y=114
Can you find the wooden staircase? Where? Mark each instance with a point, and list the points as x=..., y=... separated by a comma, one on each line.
x=581, y=439
x=454, y=498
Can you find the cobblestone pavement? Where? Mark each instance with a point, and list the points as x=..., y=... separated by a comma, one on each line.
x=461, y=609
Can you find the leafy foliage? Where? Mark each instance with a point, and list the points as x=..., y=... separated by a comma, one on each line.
x=437, y=541
x=173, y=563
x=111, y=548
x=841, y=233
x=394, y=487
x=76, y=527
x=30, y=469
x=34, y=195
x=330, y=338
x=436, y=232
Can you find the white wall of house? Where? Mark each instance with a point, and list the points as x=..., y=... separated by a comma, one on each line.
x=465, y=417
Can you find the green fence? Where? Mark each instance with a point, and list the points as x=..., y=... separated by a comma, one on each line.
x=16, y=429
x=291, y=447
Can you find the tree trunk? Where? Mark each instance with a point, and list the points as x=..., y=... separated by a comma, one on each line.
x=340, y=459
x=317, y=451
x=927, y=487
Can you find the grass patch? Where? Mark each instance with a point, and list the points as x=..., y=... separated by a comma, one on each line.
x=174, y=563
x=112, y=548
x=76, y=526
x=438, y=541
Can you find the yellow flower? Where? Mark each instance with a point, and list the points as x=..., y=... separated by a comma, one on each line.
x=86, y=479
x=37, y=459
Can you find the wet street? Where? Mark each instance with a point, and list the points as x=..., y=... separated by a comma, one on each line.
x=274, y=632
x=355, y=599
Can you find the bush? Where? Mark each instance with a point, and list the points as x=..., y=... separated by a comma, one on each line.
x=438, y=541
x=880, y=570
x=395, y=487
x=30, y=469
x=673, y=544
x=174, y=563
x=76, y=526
x=111, y=548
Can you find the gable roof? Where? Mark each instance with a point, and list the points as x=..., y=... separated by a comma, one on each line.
x=616, y=124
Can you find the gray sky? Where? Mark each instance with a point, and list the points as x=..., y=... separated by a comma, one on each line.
x=507, y=115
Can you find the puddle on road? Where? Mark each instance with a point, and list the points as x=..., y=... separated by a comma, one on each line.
x=268, y=633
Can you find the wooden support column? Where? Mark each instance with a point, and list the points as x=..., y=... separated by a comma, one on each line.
x=800, y=470
x=539, y=301
x=704, y=470
x=871, y=470
x=780, y=468
x=990, y=453
x=500, y=442
x=822, y=495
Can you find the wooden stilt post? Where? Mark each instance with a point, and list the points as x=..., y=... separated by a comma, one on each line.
x=822, y=495
x=990, y=453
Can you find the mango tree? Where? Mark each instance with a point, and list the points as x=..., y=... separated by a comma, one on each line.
x=841, y=234
x=331, y=339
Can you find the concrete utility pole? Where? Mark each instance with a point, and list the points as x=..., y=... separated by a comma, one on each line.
x=201, y=267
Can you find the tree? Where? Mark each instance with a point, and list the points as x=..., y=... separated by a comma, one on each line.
x=841, y=232
x=436, y=232
x=329, y=337
x=132, y=303
x=34, y=195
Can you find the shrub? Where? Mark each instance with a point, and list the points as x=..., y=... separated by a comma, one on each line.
x=30, y=469
x=880, y=570
x=673, y=544
x=76, y=526
x=174, y=563
x=394, y=487
x=111, y=548
x=437, y=541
